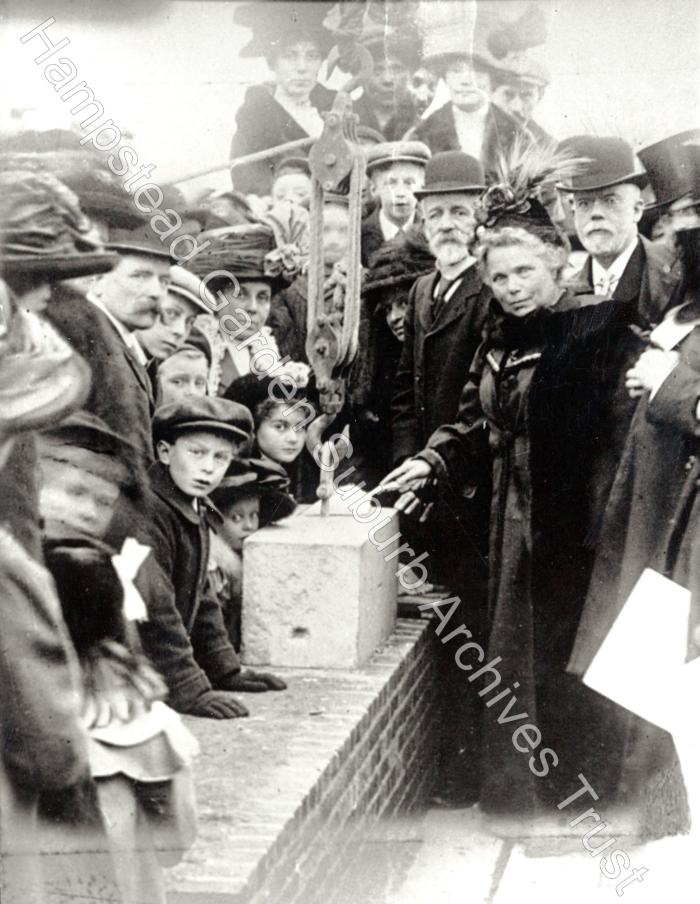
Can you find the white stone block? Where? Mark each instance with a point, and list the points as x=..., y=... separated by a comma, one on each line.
x=318, y=592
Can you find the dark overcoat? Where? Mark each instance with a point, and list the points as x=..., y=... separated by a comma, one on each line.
x=435, y=359
x=537, y=412
x=404, y=118
x=371, y=236
x=262, y=123
x=185, y=636
x=649, y=280
x=647, y=500
x=121, y=391
x=439, y=132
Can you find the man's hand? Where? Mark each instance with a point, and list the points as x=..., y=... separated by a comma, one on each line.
x=650, y=371
x=217, y=705
x=410, y=475
x=252, y=682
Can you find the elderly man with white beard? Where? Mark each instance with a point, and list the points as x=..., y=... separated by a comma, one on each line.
x=446, y=309
x=607, y=204
x=442, y=330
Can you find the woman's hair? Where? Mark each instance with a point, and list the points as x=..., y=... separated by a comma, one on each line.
x=264, y=410
x=553, y=249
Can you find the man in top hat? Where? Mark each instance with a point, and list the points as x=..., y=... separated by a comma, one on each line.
x=673, y=168
x=294, y=42
x=468, y=121
x=606, y=196
x=101, y=325
x=395, y=170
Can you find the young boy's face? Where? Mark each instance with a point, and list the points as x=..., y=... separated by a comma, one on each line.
x=336, y=232
x=281, y=436
x=394, y=186
x=182, y=376
x=74, y=500
x=242, y=519
x=197, y=461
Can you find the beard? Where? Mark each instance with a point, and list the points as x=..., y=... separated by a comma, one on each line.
x=449, y=251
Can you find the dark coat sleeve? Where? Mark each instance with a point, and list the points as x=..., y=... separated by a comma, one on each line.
x=459, y=452
x=252, y=178
x=405, y=428
x=675, y=403
x=212, y=646
x=43, y=744
x=165, y=639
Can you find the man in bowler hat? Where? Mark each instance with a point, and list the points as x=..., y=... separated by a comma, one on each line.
x=442, y=329
x=606, y=196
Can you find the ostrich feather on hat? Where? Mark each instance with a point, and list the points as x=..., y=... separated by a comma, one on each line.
x=515, y=198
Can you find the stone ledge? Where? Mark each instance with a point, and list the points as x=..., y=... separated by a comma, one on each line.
x=280, y=793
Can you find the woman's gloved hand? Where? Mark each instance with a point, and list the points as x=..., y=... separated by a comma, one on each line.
x=251, y=682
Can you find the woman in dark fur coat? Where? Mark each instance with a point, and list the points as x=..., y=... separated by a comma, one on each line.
x=544, y=413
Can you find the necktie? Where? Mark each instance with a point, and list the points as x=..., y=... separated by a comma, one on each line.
x=606, y=285
x=443, y=287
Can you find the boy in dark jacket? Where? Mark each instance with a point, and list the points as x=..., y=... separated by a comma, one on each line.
x=185, y=636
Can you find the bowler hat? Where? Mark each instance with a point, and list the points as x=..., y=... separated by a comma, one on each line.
x=397, y=152
x=452, y=171
x=673, y=166
x=608, y=161
x=207, y=413
x=43, y=232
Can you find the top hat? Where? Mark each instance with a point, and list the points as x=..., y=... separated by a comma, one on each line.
x=452, y=171
x=673, y=167
x=608, y=162
x=43, y=231
x=397, y=152
x=208, y=413
x=277, y=24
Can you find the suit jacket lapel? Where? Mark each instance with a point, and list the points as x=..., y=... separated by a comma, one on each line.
x=454, y=307
x=630, y=283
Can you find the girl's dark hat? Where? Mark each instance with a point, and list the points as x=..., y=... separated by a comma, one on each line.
x=450, y=172
x=398, y=262
x=609, y=161
x=43, y=232
x=275, y=25
x=673, y=167
x=266, y=479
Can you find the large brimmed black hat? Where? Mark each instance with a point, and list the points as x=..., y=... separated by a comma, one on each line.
x=277, y=24
x=673, y=167
x=609, y=161
x=398, y=262
x=43, y=232
x=450, y=172
x=240, y=250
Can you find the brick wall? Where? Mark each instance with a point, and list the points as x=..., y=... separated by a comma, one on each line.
x=291, y=798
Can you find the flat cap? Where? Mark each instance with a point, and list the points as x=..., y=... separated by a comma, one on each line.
x=389, y=152
x=190, y=287
x=203, y=413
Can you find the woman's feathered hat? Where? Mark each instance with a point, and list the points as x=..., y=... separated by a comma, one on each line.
x=399, y=261
x=515, y=199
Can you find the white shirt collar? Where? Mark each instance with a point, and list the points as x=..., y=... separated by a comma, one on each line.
x=389, y=230
x=305, y=114
x=127, y=336
x=470, y=129
x=613, y=274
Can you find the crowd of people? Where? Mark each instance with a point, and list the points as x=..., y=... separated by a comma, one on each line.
x=526, y=391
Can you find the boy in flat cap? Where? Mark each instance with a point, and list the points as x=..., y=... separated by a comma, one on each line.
x=185, y=636
x=395, y=169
